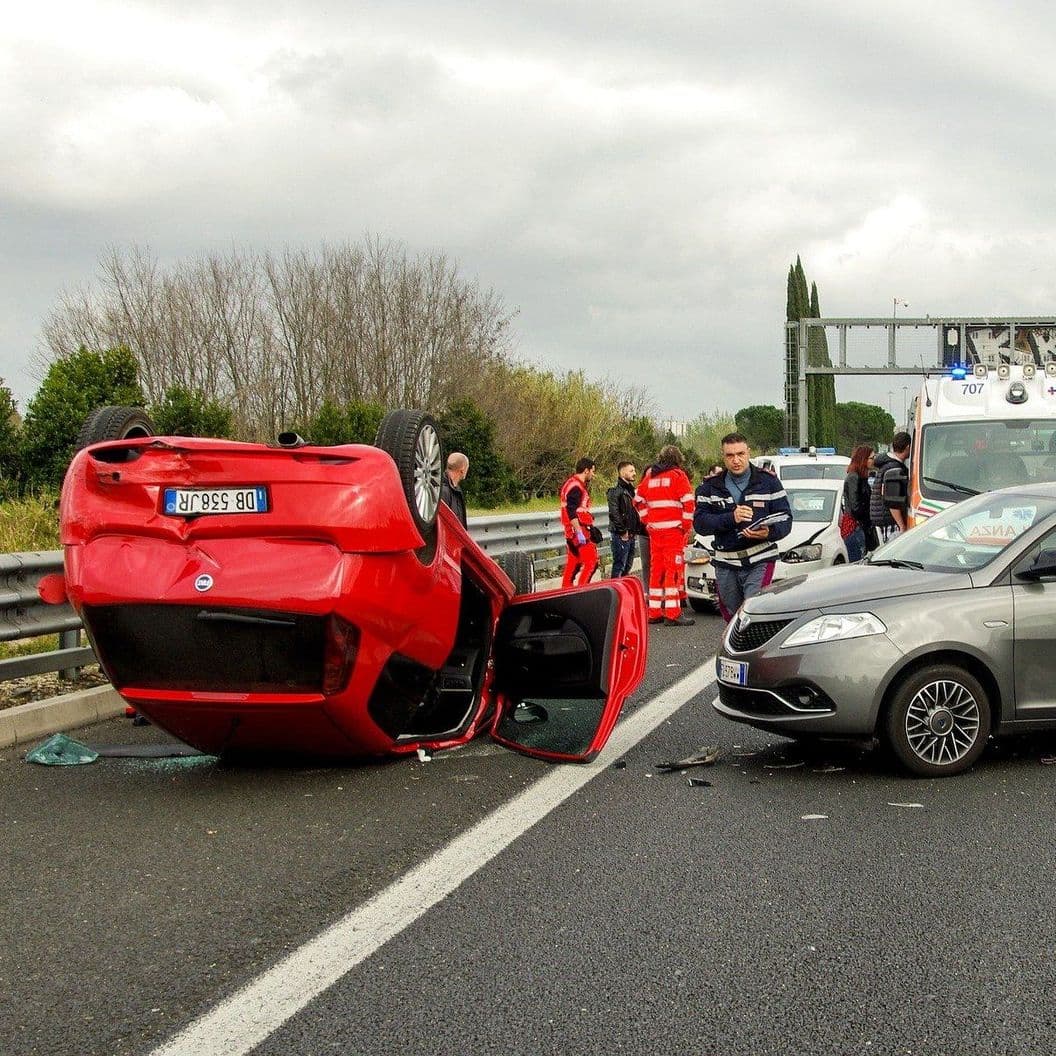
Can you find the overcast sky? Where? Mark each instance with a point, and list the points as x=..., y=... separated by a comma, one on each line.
x=633, y=178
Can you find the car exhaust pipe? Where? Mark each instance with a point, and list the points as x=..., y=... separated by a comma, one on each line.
x=291, y=440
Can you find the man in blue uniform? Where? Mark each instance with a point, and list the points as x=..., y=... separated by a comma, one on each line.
x=727, y=506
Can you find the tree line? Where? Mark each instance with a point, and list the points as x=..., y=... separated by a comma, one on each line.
x=248, y=345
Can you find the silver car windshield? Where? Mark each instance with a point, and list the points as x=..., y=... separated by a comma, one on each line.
x=969, y=535
x=985, y=456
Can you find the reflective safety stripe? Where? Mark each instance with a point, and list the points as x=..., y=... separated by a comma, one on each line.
x=766, y=496
x=687, y=498
x=655, y=504
x=664, y=524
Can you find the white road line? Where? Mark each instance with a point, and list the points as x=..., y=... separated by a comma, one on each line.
x=237, y=1025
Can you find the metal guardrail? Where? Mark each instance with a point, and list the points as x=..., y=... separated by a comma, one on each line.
x=539, y=534
x=24, y=615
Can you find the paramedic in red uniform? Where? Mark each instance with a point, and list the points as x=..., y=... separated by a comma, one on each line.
x=665, y=504
x=578, y=523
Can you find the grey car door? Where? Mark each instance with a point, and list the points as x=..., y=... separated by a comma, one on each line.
x=1034, y=649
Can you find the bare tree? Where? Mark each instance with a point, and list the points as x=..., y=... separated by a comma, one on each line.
x=274, y=335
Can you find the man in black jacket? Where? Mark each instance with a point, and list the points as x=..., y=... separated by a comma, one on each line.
x=889, y=511
x=450, y=492
x=624, y=522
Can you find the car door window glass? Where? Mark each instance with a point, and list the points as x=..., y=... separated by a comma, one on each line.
x=566, y=726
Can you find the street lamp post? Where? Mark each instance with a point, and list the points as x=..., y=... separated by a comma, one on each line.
x=890, y=393
x=895, y=302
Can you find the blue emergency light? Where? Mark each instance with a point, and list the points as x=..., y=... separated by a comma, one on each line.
x=959, y=373
x=806, y=451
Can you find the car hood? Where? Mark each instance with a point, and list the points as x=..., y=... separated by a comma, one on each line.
x=800, y=532
x=846, y=585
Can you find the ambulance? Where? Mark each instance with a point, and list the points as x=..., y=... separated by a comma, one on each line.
x=978, y=429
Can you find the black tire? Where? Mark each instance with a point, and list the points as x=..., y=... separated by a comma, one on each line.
x=520, y=567
x=114, y=423
x=700, y=605
x=413, y=440
x=939, y=721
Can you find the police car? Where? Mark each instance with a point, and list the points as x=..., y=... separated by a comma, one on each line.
x=802, y=463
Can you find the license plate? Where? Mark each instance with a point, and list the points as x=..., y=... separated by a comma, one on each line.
x=733, y=672
x=195, y=502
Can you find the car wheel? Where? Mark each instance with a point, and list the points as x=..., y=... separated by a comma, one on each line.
x=939, y=721
x=413, y=441
x=700, y=605
x=114, y=423
x=520, y=567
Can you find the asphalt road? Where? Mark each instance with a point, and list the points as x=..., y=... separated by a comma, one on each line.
x=642, y=915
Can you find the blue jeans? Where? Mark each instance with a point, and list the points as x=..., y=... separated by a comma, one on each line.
x=622, y=555
x=736, y=584
x=855, y=544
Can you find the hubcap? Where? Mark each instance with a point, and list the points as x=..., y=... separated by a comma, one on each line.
x=427, y=471
x=942, y=722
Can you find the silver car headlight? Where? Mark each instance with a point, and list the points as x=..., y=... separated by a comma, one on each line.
x=802, y=553
x=837, y=627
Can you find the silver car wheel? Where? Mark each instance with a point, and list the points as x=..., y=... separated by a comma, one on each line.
x=427, y=472
x=942, y=722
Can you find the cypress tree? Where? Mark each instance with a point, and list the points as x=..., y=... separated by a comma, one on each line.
x=825, y=386
x=802, y=303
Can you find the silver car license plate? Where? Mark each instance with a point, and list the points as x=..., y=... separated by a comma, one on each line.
x=196, y=502
x=733, y=672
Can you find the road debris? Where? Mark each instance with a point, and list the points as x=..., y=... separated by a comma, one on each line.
x=61, y=750
x=705, y=755
x=782, y=766
x=620, y=764
x=424, y=755
x=814, y=817
x=919, y=806
x=699, y=782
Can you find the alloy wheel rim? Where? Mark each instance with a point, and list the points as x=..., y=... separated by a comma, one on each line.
x=427, y=471
x=942, y=722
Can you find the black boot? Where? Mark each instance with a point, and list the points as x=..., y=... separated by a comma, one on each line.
x=681, y=621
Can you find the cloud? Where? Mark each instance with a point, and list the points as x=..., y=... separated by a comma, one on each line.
x=634, y=179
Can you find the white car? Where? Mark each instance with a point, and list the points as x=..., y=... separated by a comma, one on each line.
x=814, y=541
x=793, y=463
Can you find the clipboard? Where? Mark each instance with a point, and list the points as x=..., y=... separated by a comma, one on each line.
x=765, y=522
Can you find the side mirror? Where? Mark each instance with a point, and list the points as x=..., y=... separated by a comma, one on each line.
x=1043, y=567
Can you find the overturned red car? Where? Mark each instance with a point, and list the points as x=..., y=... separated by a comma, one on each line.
x=317, y=600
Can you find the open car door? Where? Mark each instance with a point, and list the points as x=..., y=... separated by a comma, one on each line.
x=564, y=664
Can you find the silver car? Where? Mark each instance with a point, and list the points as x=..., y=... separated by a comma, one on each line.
x=945, y=636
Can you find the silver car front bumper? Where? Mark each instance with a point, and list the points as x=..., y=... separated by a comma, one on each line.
x=829, y=689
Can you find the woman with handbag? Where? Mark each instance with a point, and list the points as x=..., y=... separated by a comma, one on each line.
x=854, y=519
